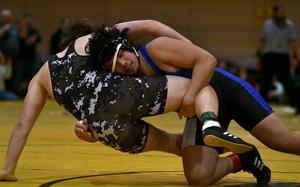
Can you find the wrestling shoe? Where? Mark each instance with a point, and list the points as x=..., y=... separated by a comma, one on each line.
x=252, y=162
x=217, y=137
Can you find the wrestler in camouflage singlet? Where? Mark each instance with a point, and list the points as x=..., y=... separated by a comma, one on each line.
x=113, y=104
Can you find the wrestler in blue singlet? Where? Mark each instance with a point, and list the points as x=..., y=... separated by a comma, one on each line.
x=238, y=100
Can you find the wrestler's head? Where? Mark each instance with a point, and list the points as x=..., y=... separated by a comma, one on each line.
x=111, y=51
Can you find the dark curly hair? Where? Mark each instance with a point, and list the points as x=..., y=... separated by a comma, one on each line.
x=73, y=29
x=102, y=45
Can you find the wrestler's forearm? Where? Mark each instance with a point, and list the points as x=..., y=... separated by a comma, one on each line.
x=141, y=29
x=202, y=73
x=33, y=104
x=16, y=144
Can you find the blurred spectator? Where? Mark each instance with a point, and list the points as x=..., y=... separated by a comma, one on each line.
x=9, y=44
x=26, y=62
x=250, y=72
x=56, y=38
x=5, y=73
x=278, y=51
x=230, y=66
x=9, y=38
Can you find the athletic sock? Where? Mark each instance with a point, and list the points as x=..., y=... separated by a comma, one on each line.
x=209, y=119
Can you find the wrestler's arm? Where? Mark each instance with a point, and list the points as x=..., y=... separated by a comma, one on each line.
x=182, y=55
x=141, y=29
x=33, y=104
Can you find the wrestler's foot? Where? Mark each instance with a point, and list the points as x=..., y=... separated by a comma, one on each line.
x=252, y=162
x=217, y=137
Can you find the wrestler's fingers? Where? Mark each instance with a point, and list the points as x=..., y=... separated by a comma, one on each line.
x=88, y=134
x=79, y=124
x=79, y=132
x=84, y=122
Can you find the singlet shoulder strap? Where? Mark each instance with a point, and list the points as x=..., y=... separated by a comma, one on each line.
x=71, y=47
x=184, y=73
x=148, y=59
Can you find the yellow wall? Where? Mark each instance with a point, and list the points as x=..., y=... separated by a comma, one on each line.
x=227, y=28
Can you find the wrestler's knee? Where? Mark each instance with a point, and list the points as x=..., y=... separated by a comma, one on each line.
x=200, y=177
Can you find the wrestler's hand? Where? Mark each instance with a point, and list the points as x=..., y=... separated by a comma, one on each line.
x=82, y=133
x=187, y=108
x=6, y=176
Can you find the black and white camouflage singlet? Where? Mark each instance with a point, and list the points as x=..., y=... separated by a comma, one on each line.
x=113, y=104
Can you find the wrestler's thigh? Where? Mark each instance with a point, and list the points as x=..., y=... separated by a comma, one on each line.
x=177, y=87
x=273, y=133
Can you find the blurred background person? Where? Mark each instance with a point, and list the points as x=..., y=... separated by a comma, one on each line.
x=9, y=39
x=9, y=44
x=5, y=73
x=278, y=54
x=26, y=62
x=56, y=38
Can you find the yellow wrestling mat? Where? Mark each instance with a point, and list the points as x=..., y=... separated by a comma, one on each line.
x=54, y=156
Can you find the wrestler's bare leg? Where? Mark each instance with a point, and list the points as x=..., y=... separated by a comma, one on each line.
x=272, y=132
